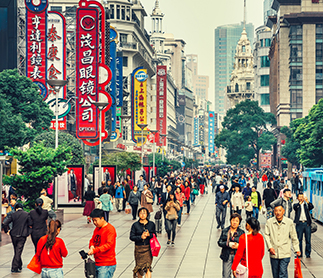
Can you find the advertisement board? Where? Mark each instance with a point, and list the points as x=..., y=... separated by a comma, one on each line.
x=201, y=129
x=196, y=131
x=211, y=132
x=87, y=66
x=161, y=111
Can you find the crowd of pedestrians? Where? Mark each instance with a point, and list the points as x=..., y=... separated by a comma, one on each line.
x=236, y=200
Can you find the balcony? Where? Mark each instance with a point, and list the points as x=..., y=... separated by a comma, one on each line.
x=129, y=45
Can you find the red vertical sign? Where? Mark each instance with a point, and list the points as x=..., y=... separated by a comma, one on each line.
x=87, y=65
x=161, y=117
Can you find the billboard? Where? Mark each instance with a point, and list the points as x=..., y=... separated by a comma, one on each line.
x=113, y=83
x=211, y=132
x=201, y=129
x=56, y=65
x=139, y=104
x=119, y=82
x=87, y=69
x=196, y=131
x=161, y=117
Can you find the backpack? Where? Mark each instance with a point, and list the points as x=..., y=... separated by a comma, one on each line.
x=119, y=191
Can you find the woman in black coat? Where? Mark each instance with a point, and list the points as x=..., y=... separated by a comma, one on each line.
x=38, y=218
x=229, y=241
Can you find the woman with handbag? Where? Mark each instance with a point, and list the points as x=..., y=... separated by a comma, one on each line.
x=50, y=251
x=172, y=207
x=180, y=197
x=147, y=199
x=141, y=233
x=229, y=241
x=247, y=262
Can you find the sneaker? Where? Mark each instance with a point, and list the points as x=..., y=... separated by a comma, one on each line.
x=173, y=244
x=179, y=225
x=168, y=243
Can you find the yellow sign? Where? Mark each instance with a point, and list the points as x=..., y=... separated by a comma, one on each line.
x=140, y=105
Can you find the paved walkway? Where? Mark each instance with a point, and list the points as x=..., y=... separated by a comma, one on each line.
x=196, y=253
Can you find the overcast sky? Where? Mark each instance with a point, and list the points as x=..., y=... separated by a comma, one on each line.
x=194, y=22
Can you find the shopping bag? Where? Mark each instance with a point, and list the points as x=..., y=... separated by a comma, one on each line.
x=35, y=265
x=127, y=209
x=195, y=192
x=154, y=246
x=89, y=268
x=298, y=270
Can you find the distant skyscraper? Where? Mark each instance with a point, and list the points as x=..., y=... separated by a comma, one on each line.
x=226, y=39
x=268, y=11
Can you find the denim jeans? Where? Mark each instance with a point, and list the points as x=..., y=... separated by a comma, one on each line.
x=105, y=271
x=179, y=214
x=226, y=267
x=303, y=228
x=279, y=267
x=255, y=212
x=192, y=198
x=220, y=215
x=52, y=273
x=170, y=226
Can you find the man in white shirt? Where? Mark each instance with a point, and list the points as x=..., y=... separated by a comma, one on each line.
x=47, y=205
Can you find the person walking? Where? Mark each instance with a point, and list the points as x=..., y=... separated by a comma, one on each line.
x=237, y=200
x=141, y=232
x=38, y=218
x=47, y=204
x=247, y=190
x=249, y=207
x=293, y=183
x=100, y=190
x=187, y=193
x=141, y=184
x=180, y=197
x=250, y=255
x=229, y=242
x=269, y=195
x=256, y=202
x=134, y=200
x=172, y=207
x=193, y=186
x=279, y=232
x=242, y=182
x=89, y=203
x=106, y=201
x=264, y=180
x=303, y=221
x=285, y=202
x=120, y=194
x=147, y=199
x=127, y=191
x=21, y=221
x=51, y=250
x=222, y=200
x=103, y=245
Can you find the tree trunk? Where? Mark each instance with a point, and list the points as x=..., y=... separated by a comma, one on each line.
x=258, y=159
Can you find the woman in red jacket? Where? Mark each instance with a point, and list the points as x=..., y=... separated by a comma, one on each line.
x=255, y=248
x=51, y=250
x=187, y=193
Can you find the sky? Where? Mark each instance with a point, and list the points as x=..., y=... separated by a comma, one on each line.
x=195, y=21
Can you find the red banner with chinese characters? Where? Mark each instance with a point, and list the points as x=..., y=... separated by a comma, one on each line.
x=161, y=117
x=36, y=48
x=87, y=65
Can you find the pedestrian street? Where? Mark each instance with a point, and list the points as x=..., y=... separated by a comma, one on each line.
x=196, y=253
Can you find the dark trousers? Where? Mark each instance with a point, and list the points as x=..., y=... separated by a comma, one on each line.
x=303, y=228
x=106, y=215
x=134, y=209
x=179, y=214
x=220, y=215
x=171, y=228
x=188, y=205
x=35, y=239
x=18, y=246
x=279, y=267
x=237, y=211
x=249, y=214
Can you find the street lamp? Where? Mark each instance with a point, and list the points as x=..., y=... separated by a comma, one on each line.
x=56, y=85
x=101, y=106
x=163, y=137
x=154, y=150
x=142, y=127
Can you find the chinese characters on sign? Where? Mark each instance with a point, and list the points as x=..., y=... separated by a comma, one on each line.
x=201, y=129
x=87, y=64
x=211, y=132
x=56, y=63
x=161, y=118
x=196, y=131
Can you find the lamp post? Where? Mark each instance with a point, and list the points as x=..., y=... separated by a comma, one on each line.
x=56, y=85
x=101, y=106
x=142, y=127
x=163, y=137
x=154, y=149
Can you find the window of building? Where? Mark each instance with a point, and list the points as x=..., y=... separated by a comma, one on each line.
x=296, y=76
x=128, y=13
x=319, y=52
x=261, y=43
x=296, y=99
x=125, y=61
x=296, y=32
x=319, y=75
x=265, y=62
x=248, y=86
x=264, y=99
x=267, y=42
x=118, y=11
x=319, y=31
x=56, y=8
x=70, y=11
x=111, y=11
x=123, y=38
x=123, y=12
x=243, y=48
x=125, y=133
x=319, y=95
x=296, y=52
x=236, y=87
x=264, y=80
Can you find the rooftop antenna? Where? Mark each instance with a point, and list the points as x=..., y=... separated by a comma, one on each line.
x=244, y=15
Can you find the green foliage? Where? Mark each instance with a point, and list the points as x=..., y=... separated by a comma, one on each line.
x=38, y=166
x=245, y=132
x=23, y=113
x=163, y=166
x=289, y=150
x=66, y=139
x=190, y=163
x=309, y=135
x=122, y=160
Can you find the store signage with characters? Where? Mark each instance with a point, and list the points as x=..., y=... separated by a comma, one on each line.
x=161, y=111
x=211, y=132
x=139, y=104
x=196, y=131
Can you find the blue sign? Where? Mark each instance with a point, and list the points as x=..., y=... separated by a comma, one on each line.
x=38, y=7
x=119, y=75
x=183, y=164
x=211, y=132
x=113, y=84
x=196, y=131
x=141, y=76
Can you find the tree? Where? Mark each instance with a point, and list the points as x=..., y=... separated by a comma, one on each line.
x=309, y=135
x=66, y=139
x=245, y=132
x=163, y=165
x=23, y=113
x=122, y=160
x=38, y=166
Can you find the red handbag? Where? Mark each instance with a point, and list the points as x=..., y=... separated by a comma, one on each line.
x=35, y=265
x=154, y=246
x=298, y=270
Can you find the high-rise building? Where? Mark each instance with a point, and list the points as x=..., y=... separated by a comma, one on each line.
x=268, y=11
x=226, y=39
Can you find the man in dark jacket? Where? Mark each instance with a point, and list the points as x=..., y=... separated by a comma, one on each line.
x=164, y=197
x=303, y=223
x=222, y=200
x=20, y=231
